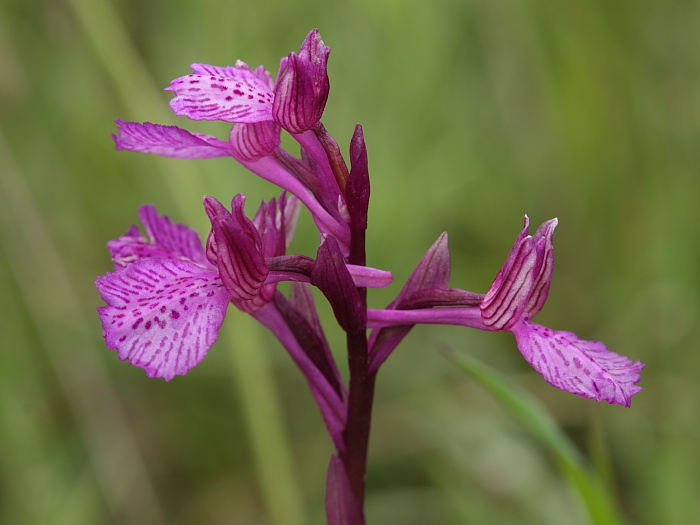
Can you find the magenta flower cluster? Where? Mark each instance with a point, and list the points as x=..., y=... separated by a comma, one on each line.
x=169, y=293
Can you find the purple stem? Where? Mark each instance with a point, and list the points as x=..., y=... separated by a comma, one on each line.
x=361, y=390
x=469, y=316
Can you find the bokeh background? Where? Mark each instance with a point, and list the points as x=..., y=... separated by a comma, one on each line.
x=475, y=113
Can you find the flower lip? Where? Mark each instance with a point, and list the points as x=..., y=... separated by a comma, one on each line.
x=585, y=368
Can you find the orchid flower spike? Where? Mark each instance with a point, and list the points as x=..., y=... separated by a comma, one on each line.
x=518, y=293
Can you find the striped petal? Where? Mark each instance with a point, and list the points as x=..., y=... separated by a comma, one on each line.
x=168, y=141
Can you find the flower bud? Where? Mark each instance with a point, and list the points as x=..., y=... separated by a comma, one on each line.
x=302, y=86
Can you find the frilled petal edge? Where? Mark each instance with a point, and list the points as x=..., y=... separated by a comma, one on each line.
x=584, y=368
x=163, y=240
x=162, y=315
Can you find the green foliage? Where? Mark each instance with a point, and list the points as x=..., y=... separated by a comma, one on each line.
x=530, y=413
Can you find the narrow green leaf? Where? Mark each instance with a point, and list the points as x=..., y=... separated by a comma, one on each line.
x=530, y=413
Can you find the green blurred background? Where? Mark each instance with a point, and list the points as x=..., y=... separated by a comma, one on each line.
x=475, y=112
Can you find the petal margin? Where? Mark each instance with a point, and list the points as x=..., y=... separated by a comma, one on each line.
x=162, y=315
x=585, y=368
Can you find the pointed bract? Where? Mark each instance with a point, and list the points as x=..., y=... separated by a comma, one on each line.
x=358, y=189
x=433, y=271
x=342, y=507
x=331, y=276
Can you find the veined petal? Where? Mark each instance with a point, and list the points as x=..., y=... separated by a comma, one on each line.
x=230, y=93
x=505, y=301
x=236, y=245
x=302, y=86
x=584, y=368
x=249, y=142
x=275, y=221
x=163, y=240
x=509, y=294
x=545, y=265
x=162, y=315
x=168, y=141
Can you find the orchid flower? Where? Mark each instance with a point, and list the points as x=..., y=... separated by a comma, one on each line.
x=518, y=293
x=168, y=296
x=258, y=107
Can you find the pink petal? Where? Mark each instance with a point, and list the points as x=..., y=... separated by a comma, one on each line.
x=162, y=315
x=231, y=94
x=163, y=239
x=168, y=141
x=584, y=368
x=509, y=294
x=545, y=263
x=249, y=142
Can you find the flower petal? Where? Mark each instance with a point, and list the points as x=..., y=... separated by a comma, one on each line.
x=249, y=142
x=162, y=315
x=163, y=239
x=509, y=293
x=230, y=93
x=276, y=221
x=168, y=141
x=302, y=86
x=545, y=265
x=584, y=368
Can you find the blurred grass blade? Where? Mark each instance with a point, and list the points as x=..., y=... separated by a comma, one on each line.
x=264, y=415
x=52, y=300
x=582, y=479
